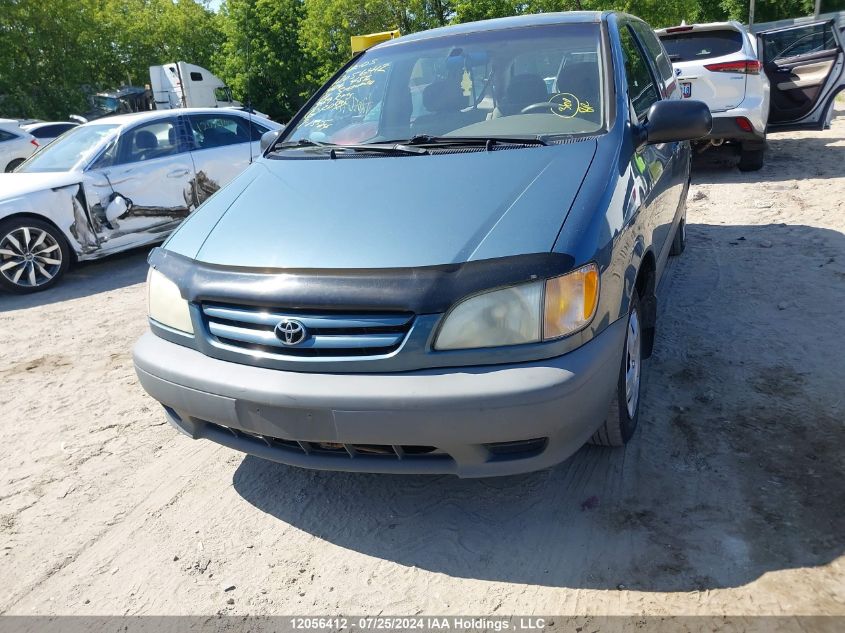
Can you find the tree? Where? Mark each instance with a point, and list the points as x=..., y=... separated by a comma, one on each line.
x=42, y=59
x=261, y=58
x=329, y=24
x=136, y=34
x=54, y=52
x=471, y=10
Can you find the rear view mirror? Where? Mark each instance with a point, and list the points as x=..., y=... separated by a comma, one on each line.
x=268, y=137
x=670, y=121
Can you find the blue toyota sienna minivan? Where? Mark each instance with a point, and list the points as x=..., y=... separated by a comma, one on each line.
x=446, y=263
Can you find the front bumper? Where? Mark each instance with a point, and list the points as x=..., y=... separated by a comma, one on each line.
x=430, y=421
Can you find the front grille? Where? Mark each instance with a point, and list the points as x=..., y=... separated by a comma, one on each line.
x=395, y=451
x=328, y=334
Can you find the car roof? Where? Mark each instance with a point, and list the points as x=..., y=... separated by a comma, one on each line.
x=499, y=24
x=731, y=25
x=40, y=124
x=122, y=92
x=152, y=115
x=14, y=128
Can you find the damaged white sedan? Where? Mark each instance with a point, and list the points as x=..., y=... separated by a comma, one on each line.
x=115, y=184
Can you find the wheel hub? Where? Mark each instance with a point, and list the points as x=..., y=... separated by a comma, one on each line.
x=29, y=256
x=632, y=364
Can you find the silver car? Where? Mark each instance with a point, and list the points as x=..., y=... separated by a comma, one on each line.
x=111, y=185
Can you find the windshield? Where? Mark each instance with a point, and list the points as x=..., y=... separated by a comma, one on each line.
x=71, y=149
x=109, y=104
x=542, y=80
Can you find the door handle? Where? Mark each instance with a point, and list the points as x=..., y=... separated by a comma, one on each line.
x=178, y=173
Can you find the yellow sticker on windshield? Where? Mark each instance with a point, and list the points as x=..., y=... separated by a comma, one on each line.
x=565, y=104
x=585, y=106
x=466, y=83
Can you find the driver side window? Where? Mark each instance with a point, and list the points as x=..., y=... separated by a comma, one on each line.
x=147, y=142
x=642, y=91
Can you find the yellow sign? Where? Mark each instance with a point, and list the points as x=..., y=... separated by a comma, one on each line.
x=565, y=104
x=466, y=84
x=363, y=42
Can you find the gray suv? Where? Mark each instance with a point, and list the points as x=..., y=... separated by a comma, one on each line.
x=446, y=263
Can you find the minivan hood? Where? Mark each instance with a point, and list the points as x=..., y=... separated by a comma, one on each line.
x=389, y=212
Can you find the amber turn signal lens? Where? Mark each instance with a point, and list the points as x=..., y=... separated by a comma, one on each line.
x=571, y=301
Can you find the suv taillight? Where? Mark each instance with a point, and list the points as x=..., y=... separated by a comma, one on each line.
x=34, y=142
x=745, y=66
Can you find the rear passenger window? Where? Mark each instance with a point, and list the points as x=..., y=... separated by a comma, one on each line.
x=214, y=130
x=6, y=136
x=695, y=45
x=641, y=87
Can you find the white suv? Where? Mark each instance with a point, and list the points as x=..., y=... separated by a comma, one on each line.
x=16, y=145
x=718, y=64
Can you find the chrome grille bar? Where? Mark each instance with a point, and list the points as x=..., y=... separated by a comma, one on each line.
x=317, y=341
x=327, y=334
x=264, y=317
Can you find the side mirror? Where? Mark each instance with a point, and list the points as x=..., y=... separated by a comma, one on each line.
x=670, y=121
x=268, y=137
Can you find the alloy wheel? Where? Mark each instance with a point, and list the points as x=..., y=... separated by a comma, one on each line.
x=29, y=256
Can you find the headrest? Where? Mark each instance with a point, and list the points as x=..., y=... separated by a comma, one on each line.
x=523, y=90
x=444, y=96
x=580, y=78
x=145, y=140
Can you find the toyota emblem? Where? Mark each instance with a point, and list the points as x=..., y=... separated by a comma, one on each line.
x=291, y=332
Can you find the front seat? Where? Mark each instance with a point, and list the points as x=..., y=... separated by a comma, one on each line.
x=445, y=101
x=523, y=91
x=582, y=80
x=146, y=144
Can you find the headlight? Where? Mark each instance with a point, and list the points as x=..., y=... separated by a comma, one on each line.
x=503, y=317
x=165, y=303
x=526, y=313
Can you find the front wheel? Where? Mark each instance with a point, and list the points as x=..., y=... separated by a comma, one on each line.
x=625, y=405
x=33, y=255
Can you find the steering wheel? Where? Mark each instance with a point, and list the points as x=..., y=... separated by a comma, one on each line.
x=538, y=108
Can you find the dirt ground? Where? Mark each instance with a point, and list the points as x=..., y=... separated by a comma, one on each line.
x=729, y=500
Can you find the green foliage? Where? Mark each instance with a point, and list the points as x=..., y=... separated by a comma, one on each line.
x=274, y=52
x=261, y=58
x=329, y=24
x=42, y=41
x=53, y=52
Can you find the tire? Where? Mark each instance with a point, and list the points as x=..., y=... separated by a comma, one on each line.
x=13, y=165
x=750, y=159
x=31, y=250
x=679, y=242
x=620, y=424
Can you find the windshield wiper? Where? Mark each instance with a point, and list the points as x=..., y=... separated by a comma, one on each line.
x=385, y=148
x=488, y=141
x=303, y=142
